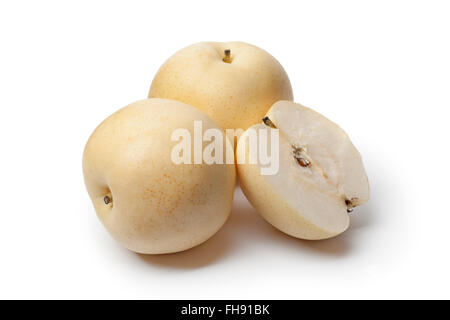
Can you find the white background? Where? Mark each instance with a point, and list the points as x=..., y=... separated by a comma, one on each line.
x=380, y=69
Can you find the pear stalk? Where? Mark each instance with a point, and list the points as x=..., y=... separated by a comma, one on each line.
x=227, y=58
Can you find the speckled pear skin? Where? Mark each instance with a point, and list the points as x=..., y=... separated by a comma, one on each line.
x=236, y=93
x=155, y=206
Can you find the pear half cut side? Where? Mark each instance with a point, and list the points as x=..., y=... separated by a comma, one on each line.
x=321, y=176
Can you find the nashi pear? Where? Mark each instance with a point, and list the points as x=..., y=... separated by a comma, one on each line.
x=321, y=175
x=234, y=83
x=146, y=202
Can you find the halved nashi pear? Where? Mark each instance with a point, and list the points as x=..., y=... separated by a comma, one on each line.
x=321, y=176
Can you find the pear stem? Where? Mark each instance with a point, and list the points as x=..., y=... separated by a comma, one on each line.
x=269, y=122
x=227, y=57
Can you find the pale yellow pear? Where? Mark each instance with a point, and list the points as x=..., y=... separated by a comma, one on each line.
x=234, y=83
x=148, y=203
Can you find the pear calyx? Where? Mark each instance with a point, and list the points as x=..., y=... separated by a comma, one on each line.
x=350, y=204
x=107, y=200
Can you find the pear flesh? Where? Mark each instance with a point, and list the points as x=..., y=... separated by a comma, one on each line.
x=321, y=176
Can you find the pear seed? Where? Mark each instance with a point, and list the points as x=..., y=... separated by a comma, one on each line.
x=300, y=155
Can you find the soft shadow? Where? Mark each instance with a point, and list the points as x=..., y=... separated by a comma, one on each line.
x=245, y=229
x=361, y=218
x=256, y=229
x=205, y=254
x=227, y=240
